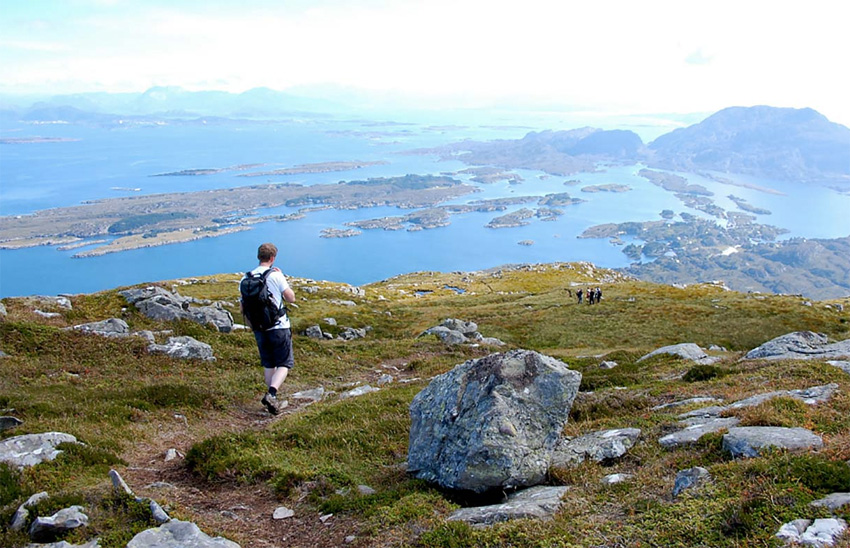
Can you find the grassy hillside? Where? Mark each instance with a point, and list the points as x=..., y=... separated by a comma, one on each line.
x=129, y=407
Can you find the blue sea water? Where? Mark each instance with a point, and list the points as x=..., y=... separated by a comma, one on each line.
x=103, y=162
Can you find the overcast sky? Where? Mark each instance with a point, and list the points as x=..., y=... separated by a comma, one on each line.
x=640, y=56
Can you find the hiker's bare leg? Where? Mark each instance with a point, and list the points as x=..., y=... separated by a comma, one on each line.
x=276, y=376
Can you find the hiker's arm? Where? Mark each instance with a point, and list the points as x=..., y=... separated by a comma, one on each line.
x=289, y=295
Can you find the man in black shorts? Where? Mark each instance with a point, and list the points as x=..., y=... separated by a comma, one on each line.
x=274, y=343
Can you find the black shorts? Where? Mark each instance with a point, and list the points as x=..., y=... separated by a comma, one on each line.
x=275, y=347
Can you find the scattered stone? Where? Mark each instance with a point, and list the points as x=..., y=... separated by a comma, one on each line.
x=22, y=513
x=800, y=345
x=282, y=512
x=94, y=543
x=602, y=446
x=113, y=327
x=324, y=518
x=491, y=341
x=119, y=485
x=384, y=379
x=314, y=332
x=820, y=533
x=682, y=403
x=833, y=501
x=359, y=391
x=466, y=328
x=44, y=314
x=178, y=534
x=184, y=348
x=810, y=396
x=160, y=485
x=46, y=529
x=230, y=515
x=693, y=432
x=3, y=312
x=690, y=478
x=539, y=502
x=351, y=333
x=447, y=335
x=3, y=354
x=7, y=423
x=313, y=395
x=172, y=454
x=608, y=365
x=350, y=538
x=717, y=348
x=492, y=422
x=32, y=449
x=612, y=479
x=747, y=441
x=329, y=321
x=686, y=351
x=157, y=513
x=365, y=490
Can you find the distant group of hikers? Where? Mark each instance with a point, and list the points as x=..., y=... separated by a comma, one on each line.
x=592, y=294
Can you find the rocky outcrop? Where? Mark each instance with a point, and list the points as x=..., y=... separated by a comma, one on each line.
x=491, y=423
x=748, y=441
x=693, y=432
x=178, y=534
x=686, y=351
x=453, y=331
x=113, y=327
x=32, y=449
x=602, y=446
x=161, y=305
x=800, y=345
x=184, y=348
x=19, y=519
x=539, y=502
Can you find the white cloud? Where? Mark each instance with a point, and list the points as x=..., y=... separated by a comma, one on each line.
x=654, y=55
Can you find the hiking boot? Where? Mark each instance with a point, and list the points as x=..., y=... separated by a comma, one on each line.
x=273, y=404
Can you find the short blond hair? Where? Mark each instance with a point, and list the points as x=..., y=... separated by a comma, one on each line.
x=266, y=252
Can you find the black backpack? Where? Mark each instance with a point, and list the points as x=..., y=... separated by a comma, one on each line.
x=257, y=306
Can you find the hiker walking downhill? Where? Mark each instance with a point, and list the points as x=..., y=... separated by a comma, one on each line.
x=264, y=294
x=580, y=294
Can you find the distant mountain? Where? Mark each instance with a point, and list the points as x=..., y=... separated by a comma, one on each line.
x=780, y=143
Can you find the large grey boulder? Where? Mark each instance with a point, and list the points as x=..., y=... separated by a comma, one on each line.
x=686, y=351
x=44, y=529
x=113, y=327
x=539, y=502
x=32, y=449
x=178, y=534
x=844, y=365
x=467, y=328
x=7, y=423
x=800, y=345
x=491, y=423
x=605, y=445
x=748, y=441
x=184, y=348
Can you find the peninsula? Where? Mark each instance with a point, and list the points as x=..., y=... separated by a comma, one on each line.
x=158, y=219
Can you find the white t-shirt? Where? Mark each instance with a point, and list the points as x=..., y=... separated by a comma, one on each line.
x=276, y=284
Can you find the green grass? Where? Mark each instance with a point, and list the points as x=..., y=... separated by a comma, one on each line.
x=112, y=394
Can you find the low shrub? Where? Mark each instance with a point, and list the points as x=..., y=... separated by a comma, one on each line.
x=703, y=372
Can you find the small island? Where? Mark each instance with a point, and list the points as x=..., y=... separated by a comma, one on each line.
x=606, y=188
